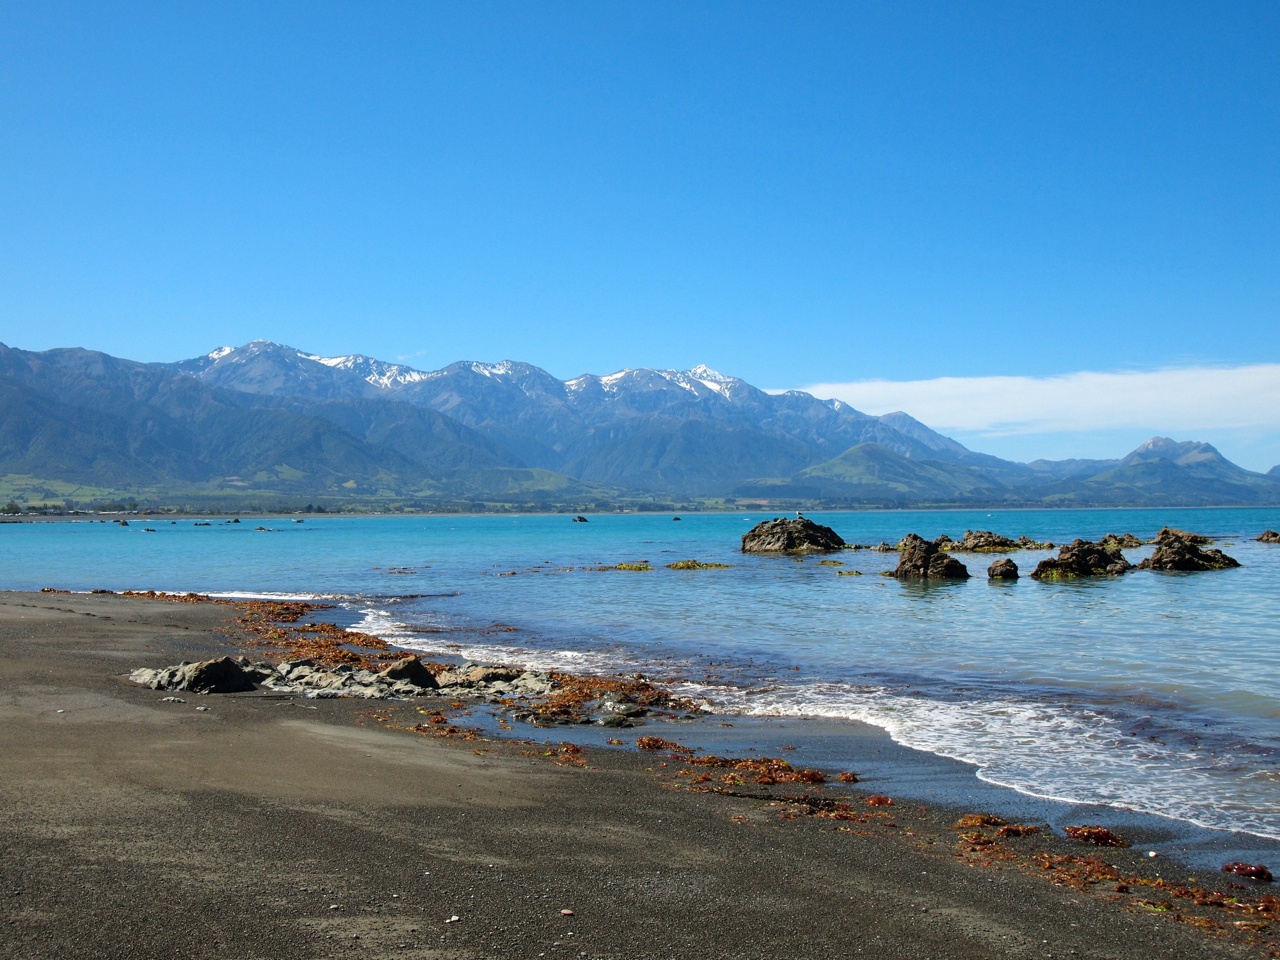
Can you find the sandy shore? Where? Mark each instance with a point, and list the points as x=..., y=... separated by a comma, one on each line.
x=267, y=826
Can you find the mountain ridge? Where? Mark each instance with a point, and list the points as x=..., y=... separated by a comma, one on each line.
x=272, y=418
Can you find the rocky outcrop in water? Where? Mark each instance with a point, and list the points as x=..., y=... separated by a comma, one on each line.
x=1269, y=536
x=1173, y=533
x=1125, y=540
x=923, y=560
x=1174, y=553
x=1004, y=569
x=786, y=535
x=1026, y=543
x=1082, y=558
x=983, y=541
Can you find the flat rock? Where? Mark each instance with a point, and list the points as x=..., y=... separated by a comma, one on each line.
x=1127, y=540
x=1173, y=533
x=977, y=541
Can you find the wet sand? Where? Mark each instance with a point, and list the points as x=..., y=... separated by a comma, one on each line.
x=276, y=827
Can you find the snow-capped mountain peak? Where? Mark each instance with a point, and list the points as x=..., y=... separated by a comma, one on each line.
x=379, y=373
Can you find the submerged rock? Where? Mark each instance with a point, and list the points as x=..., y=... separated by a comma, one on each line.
x=1003, y=570
x=923, y=560
x=1175, y=553
x=785, y=535
x=1082, y=558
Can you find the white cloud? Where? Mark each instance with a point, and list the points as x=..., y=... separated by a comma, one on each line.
x=1174, y=401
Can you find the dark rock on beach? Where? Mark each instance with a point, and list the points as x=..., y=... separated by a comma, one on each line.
x=1175, y=553
x=785, y=535
x=1003, y=570
x=404, y=679
x=1082, y=558
x=923, y=560
x=410, y=670
x=222, y=675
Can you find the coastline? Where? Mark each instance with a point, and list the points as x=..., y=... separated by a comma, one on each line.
x=267, y=825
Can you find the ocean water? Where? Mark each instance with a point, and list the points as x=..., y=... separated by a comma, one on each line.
x=1153, y=692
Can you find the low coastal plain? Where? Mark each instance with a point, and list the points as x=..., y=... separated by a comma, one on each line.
x=268, y=825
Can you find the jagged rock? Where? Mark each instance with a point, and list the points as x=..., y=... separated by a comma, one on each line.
x=1003, y=570
x=531, y=684
x=221, y=675
x=1026, y=543
x=883, y=547
x=1174, y=553
x=410, y=670
x=1173, y=533
x=1126, y=540
x=979, y=541
x=1082, y=558
x=1269, y=536
x=785, y=535
x=922, y=560
x=943, y=542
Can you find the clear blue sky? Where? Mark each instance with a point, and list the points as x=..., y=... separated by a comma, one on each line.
x=794, y=193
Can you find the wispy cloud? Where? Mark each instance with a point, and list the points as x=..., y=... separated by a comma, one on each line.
x=1172, y=401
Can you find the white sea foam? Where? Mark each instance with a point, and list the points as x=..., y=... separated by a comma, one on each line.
x=252, y=595
x=381, y=623
x=1045, y=750
x=1054, y=751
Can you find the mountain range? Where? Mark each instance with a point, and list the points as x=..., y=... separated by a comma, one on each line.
x=269, y=420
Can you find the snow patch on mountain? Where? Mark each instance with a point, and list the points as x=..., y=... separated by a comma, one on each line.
x=379, y=373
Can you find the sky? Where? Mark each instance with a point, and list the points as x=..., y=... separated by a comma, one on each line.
x=970, y=212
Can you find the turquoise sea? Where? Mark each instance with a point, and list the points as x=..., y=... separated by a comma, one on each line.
x=1153, y=692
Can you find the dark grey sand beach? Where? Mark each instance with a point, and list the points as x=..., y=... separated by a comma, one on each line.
x=276, y=827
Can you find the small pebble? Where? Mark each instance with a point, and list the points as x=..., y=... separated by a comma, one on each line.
x=566, y=913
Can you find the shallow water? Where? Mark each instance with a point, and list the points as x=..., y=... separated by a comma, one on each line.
x=1153, y=692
